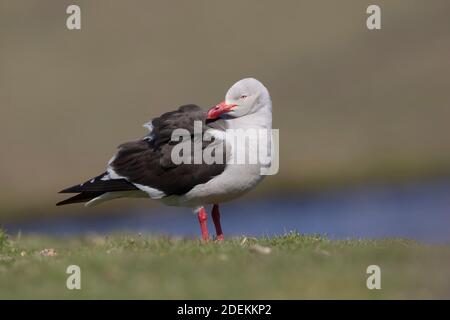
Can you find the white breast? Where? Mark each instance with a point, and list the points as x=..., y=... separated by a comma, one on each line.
x=236, y=178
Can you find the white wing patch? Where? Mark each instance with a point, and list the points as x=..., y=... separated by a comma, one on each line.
x=111, y=174
x=152, y=192
x=149, y=126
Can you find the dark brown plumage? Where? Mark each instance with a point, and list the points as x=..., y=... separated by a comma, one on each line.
x=148, y=161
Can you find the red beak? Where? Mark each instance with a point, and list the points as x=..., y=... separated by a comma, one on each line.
x=218, y=110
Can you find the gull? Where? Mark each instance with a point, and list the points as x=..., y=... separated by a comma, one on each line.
x=146, y=167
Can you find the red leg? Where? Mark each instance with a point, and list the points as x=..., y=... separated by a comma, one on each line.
x=202, y=218
x=216, y=219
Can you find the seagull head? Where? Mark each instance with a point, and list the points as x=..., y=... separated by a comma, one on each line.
x=244, y=97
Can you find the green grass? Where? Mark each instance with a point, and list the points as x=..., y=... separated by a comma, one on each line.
x=147, y=267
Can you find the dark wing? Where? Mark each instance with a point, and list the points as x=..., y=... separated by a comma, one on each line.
x=95, y=187
x=183, y=118
x=148, y=161
x=99, y=184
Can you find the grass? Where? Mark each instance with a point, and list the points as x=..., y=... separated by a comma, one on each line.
x=292, y=266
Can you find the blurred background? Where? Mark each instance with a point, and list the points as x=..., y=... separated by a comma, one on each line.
x=363, y=115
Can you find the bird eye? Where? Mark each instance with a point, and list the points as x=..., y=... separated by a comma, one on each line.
x=243, y=96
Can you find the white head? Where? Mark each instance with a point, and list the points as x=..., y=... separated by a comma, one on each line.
x=245, y=97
